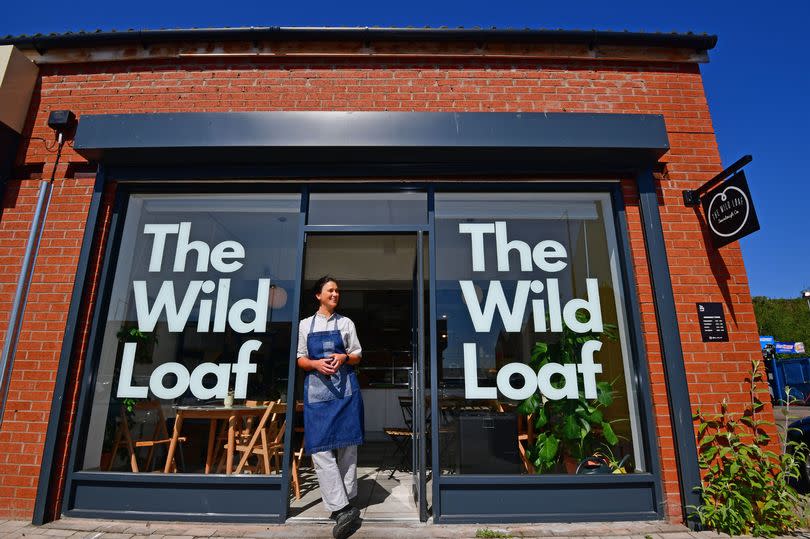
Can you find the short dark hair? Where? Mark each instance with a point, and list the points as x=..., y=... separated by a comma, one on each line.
x=319, y=284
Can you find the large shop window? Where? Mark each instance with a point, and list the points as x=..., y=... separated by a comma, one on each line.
x=199, y=315
x=535, y=373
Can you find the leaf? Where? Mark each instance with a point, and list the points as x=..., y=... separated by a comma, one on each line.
x=709, y=438
x=586, y=427
x=604, y=393
x=610, y=436
x=540, y=349
x=710, y=453
x=548, y=452
x=529, y=405
x=541, y=419
x=571, y=429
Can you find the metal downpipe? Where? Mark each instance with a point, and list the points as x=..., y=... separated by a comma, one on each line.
x=24, y=283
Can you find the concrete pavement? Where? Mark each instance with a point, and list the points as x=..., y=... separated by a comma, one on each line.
x=119, y=529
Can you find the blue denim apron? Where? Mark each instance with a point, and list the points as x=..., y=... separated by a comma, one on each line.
x=333, y=407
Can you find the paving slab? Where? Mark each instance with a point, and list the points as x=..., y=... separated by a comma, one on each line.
x=78, y=524
x=11, y=525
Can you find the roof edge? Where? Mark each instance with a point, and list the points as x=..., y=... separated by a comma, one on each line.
x=591, y=38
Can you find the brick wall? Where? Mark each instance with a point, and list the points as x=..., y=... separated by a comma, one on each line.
x=715, y=371
x=22, y=435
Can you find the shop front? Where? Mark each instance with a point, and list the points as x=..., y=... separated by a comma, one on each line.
x=502, y=358
x=503, y=211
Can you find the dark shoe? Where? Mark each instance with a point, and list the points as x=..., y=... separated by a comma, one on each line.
x=348, y=522
x=334, y=514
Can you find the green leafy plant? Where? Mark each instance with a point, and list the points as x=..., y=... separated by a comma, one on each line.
x=129, y=404
x=488, y=534
x=568, y=429
x=145, y=341
x=746, y=483
x=143, y=354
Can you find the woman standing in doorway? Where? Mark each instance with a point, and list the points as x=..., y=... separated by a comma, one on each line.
x=328, y=349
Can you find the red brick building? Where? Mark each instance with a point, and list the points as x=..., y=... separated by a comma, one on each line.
x=392, y=158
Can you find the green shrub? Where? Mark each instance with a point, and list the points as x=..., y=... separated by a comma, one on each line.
x=746, y=485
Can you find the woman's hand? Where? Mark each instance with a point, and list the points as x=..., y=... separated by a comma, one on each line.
x=339, y=359
x=325, y=366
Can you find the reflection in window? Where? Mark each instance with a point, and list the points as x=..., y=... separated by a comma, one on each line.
x=199, y=320
x=392, y=208
x=533, y=352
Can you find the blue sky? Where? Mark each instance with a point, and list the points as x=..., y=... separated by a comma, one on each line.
x=758, y=80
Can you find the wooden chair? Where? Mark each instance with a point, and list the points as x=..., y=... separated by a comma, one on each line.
x=242, y=435
x=124, y=439
x=266, y=439
x=267, y=442
x=297, y=456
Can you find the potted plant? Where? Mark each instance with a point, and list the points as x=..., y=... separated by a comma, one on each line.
x=568, y=430
x=146, y=342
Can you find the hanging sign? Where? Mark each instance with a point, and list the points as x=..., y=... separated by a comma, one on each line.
x=712, y=322
x=729, y=211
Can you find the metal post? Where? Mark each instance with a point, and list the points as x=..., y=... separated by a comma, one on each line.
x=21, y=295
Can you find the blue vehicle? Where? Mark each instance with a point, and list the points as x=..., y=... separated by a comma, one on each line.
x=788, y=374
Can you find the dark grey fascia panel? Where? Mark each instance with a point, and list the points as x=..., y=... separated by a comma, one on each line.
x=401, y=137
x=561, y=499
x=143, y=38
x=183, y=497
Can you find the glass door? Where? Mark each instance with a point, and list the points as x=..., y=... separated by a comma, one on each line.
x=382, y=289
x=417, y=382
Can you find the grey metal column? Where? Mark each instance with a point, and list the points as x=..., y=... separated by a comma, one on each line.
x=680, y=408
x=63, y=370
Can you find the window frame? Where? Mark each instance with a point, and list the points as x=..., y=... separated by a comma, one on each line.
x=448, y=491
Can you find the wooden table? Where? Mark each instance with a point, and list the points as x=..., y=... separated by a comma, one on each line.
x=213, y=414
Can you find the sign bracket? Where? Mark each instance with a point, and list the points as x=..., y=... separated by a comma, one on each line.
x=691, y=197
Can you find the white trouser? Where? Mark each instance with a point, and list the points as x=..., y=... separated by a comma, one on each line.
x=337, y=476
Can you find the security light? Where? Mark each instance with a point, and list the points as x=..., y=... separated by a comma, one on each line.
x=61, y=120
